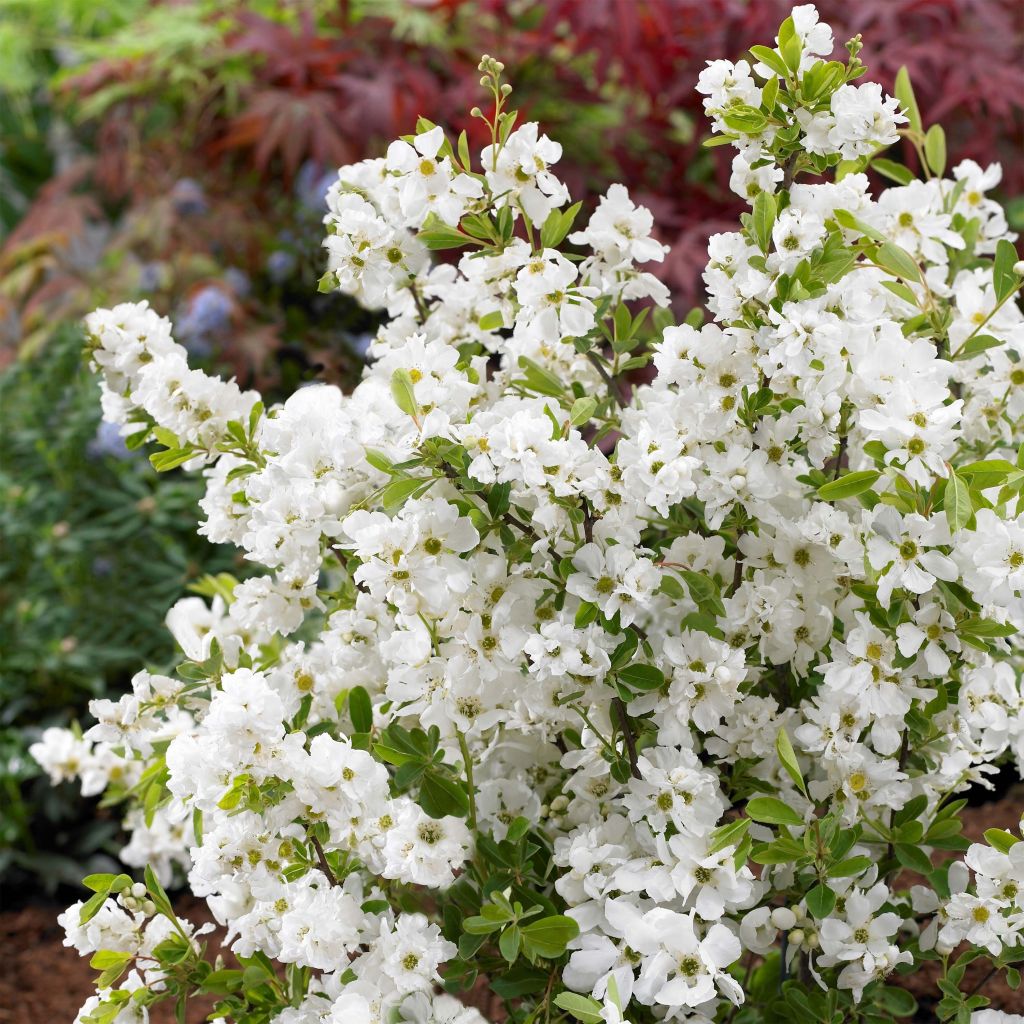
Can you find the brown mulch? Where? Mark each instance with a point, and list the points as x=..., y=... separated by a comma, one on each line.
x=43, y=982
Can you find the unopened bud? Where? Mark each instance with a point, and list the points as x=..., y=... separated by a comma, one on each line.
x=138, y=890
x=784, y=918
x=506, y=89
x=796, y=937
x=1018, y=268
x=149, y=908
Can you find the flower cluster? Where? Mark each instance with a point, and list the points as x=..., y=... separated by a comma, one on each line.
x=624, y=663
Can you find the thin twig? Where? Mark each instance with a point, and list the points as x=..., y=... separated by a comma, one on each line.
x=321, y=859
x=627, y=733
x=613, y=385
x=839, y=457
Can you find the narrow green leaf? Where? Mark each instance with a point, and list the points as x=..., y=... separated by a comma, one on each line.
x=999, y=839
x=399, y=491
x=976, y=345
x=897, y=261
x=583, y=1008
x=935, y=149
x=1004, y=280
x=848, y=486
x=360, y=709
x=893, y=171
x=403, y=392
x=787, y=755
x=849, y=867
x=765, y=207
x=771, y=59
x=957, y=499
x=905, y=94
x=771, y=811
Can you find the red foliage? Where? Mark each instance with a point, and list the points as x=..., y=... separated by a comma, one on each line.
x=339, y=90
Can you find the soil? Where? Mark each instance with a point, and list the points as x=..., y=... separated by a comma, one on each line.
x=42, y=982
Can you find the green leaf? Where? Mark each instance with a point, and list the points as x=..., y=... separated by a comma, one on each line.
x=999, y=839
x=403, y=392
x=106, y=958
x=435, y=234
x=790, y=45
x=99, y=882
x=379, y=461
x=905, y=94
x=849, y=867
x=771, y=58
x=821, y=901
x=509, y=943
x=539, y=379
x=899, y=289
x=557, y=225
x=642, y=677
x=771, y=811
x=482, y=925
x=897, y=261
x=728, y=835
x=848, y=486
x=396, y=493
x=1004, y=280
x=976, y=345
x=787, y=755
x=847, y=220
x=745, y=119
x=622, y=654
x=957, y=499
x=441, y=796
x=893, y=171
x=583, y=1008
x=582, y=410
x=360, y=709
x=91, y=907
x=765, y=207
x=463, y=150
x=935, y=149
x=985, y=628
x=393, y=755
x=491, y=321
x=704, y=591
x=171, y=458
x=898, y=1001
x=549, y=936
x=912, y=857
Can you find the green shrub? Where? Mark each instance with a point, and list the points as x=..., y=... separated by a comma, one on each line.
x=85, y=523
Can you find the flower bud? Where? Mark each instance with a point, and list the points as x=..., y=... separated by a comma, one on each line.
x=784, y=918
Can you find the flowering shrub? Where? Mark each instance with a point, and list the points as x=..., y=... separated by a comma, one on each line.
x=624, y=665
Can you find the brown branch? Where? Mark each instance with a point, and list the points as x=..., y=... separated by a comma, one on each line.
x=613, y=385
x=627, y=733
x=321, y=859
x=840, y=455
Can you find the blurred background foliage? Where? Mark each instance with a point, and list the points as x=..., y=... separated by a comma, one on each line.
x=178, y=151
